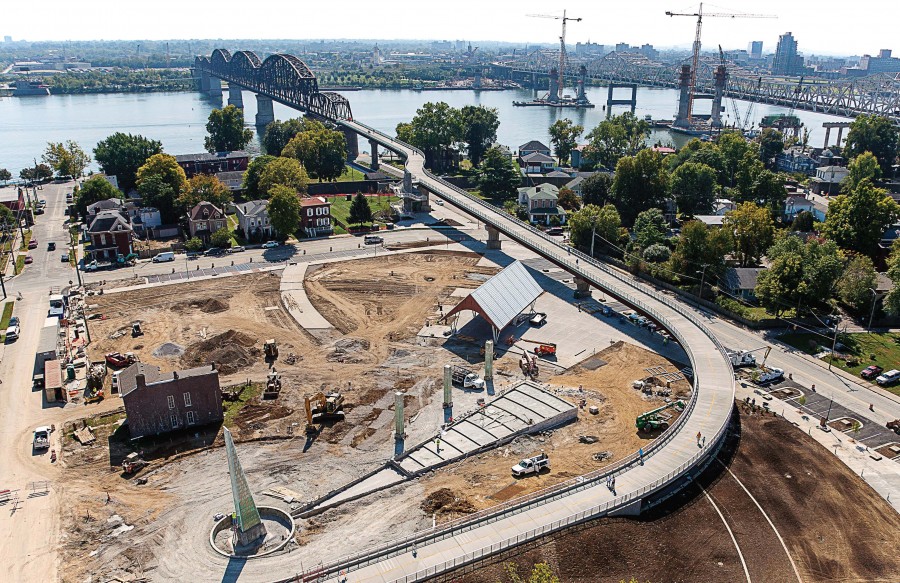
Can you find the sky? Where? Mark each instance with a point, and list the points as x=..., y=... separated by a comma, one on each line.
x=822, y=27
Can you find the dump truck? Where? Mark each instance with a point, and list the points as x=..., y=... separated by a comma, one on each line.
x=273, y=385
x=270, y=349
x=653, y=420
x=466, y=378
x=545, y=350
x=41, y=437
x=133, y=462
x=531, y=465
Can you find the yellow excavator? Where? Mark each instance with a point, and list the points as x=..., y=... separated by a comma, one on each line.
x=323, y=407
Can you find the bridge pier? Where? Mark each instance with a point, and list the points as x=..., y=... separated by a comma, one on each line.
x=204, y=81
x=715, y=118
x=582, y=288
x=493, y=240
x=373, y=147
x=215, y=86
x=630, y=102
x=352, y=140
x=235, y=97
x=265, y=114
x=684, y=99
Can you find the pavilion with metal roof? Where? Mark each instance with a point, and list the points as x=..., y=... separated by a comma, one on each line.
x=501, y=298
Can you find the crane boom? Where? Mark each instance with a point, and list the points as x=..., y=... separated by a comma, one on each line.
x=562, y=46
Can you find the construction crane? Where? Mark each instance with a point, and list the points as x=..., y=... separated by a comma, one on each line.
x=737, y=114
x=695, y=62
x=562, y=45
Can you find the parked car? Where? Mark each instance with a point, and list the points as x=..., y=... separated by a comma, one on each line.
x=870, y=372
x=373, y=240
x=235, y=249
x=29, y=259
x=213, y=251
x=12, y=331
x=51, y=246
x=64, y=258
x=33, y=244
x=39, y=210
x=555, y=231
x=42, y=202
x=270, y=244
x=164, y=256
x=889, y=378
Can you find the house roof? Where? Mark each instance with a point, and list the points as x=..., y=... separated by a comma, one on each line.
x=153, y=374
x=557, y=174
x=798, y=201
x=108, y=221
x=538, y=157
x=742, y=278
x=376, y=175
x=252, y=208
x=711, y=220
x=109, y=203
x=534, y=145
x=503, y=297
x=314, y=201
x=196, y=212
x=207, y=157
x=233, y=179
x=883, y=283
x=543, y=191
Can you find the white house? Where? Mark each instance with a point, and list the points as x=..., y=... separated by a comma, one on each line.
x=253, y=219
x=541, y=203
x=828, y=179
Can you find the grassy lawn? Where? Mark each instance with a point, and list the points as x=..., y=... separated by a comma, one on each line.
x=340, y=208
x=20, y=264
x=232, y=408
x=25, y=240
x=4, y=321
x=863, y=349
x=232, y=226
x=351, y=175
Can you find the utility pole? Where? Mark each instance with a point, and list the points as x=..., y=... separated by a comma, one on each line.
x=872, y=313
x=702, y=277
x=833, y=345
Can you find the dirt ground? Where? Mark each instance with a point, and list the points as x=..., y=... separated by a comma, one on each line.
x=836, y=528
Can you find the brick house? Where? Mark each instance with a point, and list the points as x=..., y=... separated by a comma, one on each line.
x=253, y=220
x=315, y=216
x=206, y=163
x=12, y=198
x=205, y=219
x=110, y=233
x=158, y=402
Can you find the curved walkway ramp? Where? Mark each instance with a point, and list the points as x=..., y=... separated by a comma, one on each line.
x=666, y=464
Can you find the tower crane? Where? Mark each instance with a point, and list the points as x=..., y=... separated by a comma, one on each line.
x=695, y=62
x=734, y=107
x=562, y=44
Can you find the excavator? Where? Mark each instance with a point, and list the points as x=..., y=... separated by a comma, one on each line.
x=652, y=420
x=321, y=407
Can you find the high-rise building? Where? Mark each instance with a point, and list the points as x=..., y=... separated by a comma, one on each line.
x=755, y=49
x=588, y=49
x=787, y=61
x=7, y=39
x=883, y=63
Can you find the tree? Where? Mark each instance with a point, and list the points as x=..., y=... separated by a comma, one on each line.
x=284, y=172
x=284, y=210
x=121, y=155
x=749, y=168
x=498, y=177
x=226, y=130
x=253, y=174
x=865, y=166
x=479, y=130
x=193, y=244
x=322, y=151
x=5, y=174
x=649, y=228
x=595, y=188
x=693, y=186
x=279, y=133
x=7, y=219
x=856, y=221
x=803, y=222
x=621, y=135
x=591, y=220
x=564, y=137
x=160, y=181
x=360, y=211
x=702, y=153
x=700, y=251
x=657, y=253
x=875, y=134
x=771, y=143
x=753, y=230
x=204, y=187
x=68, y=160
x=858, y=278
x=734, y=147
x=568, y=199
x=434, y=129
x=768, y=190
x=37, y=173
x=892, y=301
x=221, y=238
x=540, y=573
x=800, y=273
x=641, y=182
x=94, y=189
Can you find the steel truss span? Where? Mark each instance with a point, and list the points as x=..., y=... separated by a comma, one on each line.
x=283, y=78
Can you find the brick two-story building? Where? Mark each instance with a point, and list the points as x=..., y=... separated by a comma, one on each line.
x=205, y=219
x=206, y=163
x=110, y=233
x=315, y=216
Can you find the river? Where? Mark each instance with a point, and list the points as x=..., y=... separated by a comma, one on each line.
x=178, y=119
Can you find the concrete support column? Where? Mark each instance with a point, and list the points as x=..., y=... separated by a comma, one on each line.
x=633, y=97
x=398, y=416
x=265, y=114
x=215, y=86
x=582, y=288
x=684, y=98
x=204, y=81
x=352, y=141
x=840, y=134
x=828, y=137
x=448, y=386
x=493, y=240
x=235, y=97
x=715, y=118
x=489, y=360
x=373, y=147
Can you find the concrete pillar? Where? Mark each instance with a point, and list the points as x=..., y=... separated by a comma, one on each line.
x=633, y=97
x=553, y=96
x=493, y=240
x=352, y=141
x=827, y=137
x=235, y=97
x=215, y=86
x=398, y=415
x=373, y=147
x=582, y=288
x=684, y=98
x=448, y=386
x=204, y=81
x=715, y=118
x=840, y=133
x=265, y=114
x=476, y=84
x=489, y=360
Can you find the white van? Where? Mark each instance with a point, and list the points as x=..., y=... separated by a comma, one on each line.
x=162, y=257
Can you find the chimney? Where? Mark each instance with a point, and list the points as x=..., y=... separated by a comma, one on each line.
x=140, y=380
x=175, y=375
x=213, y=365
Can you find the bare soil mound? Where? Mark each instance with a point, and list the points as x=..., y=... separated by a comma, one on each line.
x=207, y=306
x=446, y=500
x=231, y=351
x=350, y=350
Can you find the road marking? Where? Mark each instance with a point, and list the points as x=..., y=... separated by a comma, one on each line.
x=730, y=533
x=769, y=520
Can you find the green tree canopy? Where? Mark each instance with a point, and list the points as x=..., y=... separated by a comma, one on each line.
x=360, y=211
x=771, y=143
x=641, y=182
x=434, y=129
x=701, y=251
x=693, y=186
x=279, y=133
x=498, y=176
x=591, y=219
x=568, y=199
x=221, y=238
x=595, y=188
x=753, y=231
x=283, y=171
x=322, y=151
x=160, y=182
x=875, y=134
x=94, y=189
x=121, y=155
x=253, y=174
x=203, y=187
x=621, y=135
x=67, y=159
x=564, y=135
x=749, y=168
x=800, y=273
x=892, y=301
x=856, y=282
x=540, y=573
x=479, y=130
x=284, y=210
x=734, y=147
x=856, y=221
x=768, y=190
x=193, y=244
x=803, y=222
x=226, y=130
x=649, y=228
x=5, y=174
x=865, y=166
x=36, y=173
x=702, y=153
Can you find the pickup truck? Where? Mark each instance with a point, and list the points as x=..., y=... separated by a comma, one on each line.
x=466, y=378
x=41, y=437
x=531, y=465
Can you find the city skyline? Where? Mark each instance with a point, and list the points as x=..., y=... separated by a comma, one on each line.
x=638, y=22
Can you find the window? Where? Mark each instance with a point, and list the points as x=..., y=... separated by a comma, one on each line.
x=187, y=399
x=103, y=238
x=173, y=419
x=309, y=212
x=191, y=418
x=171, y=400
